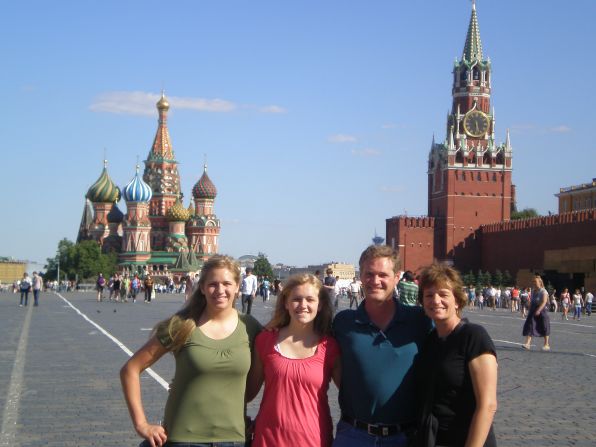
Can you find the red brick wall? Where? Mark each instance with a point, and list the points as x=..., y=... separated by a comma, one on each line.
x=413, y=238
x=521, y=244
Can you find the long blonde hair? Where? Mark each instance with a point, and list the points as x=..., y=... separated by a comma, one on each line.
x=180, y=325
x=281, y=316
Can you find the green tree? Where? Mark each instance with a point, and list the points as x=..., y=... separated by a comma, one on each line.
x=263, y=267
x=469, y=278
x=63, y=253
x=526, y=213
x=84, y=260
x=498, y=278
x=507, y=279
x=487, y=278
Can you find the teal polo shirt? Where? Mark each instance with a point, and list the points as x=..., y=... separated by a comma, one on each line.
x=377, y=383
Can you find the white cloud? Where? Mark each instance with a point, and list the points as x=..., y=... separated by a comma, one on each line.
x=392, y=189
x=272, y=109
x=560, y=129
x=341, y=138
x=366, y=152
x=143, y=103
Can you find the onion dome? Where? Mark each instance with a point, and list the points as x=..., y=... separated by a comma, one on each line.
x=115, y=215
x=163, y=103
x=204, y=188
x=137, y=190
x=104, y=190
x=177, y=212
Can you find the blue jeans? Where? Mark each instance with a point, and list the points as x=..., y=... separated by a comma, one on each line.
x=578, y=312
x=197, y=444
x=25, y=293
x=589, y=309
x=349, y=436
x=36, y=296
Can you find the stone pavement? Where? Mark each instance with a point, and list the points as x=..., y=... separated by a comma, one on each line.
x=59, y=383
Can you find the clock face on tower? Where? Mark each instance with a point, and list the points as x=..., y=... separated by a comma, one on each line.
x=476, y=123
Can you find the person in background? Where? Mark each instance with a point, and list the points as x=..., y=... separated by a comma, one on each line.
x=248, y=290
x=578, y=302
x=456, y=370
x=408, y=289
x=354, y=290
x=329, y=283
x=589, y=300
x=565, y=303
x=37, y=286
x=296, y=361
x=148, y=286
x=135, y=287
x=25, y=288
x=537, y=322
x=212, y=347
x=100, y=284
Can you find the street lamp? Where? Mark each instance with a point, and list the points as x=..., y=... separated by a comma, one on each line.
x=58, y=275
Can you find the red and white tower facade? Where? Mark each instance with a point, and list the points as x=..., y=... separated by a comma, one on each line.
x=136, y=243
x=161, y=174
x=469, y=175
x=203, y=227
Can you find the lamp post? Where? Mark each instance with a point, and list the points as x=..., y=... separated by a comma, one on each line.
x=58, y=274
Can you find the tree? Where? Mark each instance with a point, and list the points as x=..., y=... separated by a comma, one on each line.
x=263, y=267
x=84, y=260
x=469, y=278
x=507, y=279
x=498, y=278
x=526, y=213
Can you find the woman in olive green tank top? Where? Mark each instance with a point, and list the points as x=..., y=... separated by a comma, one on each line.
x=212, y=347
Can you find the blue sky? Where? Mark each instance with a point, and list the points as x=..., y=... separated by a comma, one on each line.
x=316, y=116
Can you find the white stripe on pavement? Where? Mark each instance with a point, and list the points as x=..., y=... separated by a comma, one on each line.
x=118, y=343
x=11, y=408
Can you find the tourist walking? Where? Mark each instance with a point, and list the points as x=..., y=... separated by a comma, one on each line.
x=456, y=369
x=538, y=322
x=589, y=300
x=248, y=291
x=148, y=286
x=515, y=299
x=100, y=284
x=354, y=291
x=578, y=303
x=329, y=282
x=553, y=301
x=135, y=287
x=125, y=288
x=524, y=301
x=296, y=361
x=37, y=285
x=565, y=303
x=212, y=347
x=25, y=288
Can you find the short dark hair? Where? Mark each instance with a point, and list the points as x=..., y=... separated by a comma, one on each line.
x=409, y=276
x=248, y=269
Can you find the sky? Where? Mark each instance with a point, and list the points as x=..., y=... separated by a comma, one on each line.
x=315, y=117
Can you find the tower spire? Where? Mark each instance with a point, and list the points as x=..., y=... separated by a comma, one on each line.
x=473, y=45
x=162, y=147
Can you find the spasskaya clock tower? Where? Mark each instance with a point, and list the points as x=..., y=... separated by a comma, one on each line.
x=469, y=175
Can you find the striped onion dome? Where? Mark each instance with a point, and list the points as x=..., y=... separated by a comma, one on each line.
x=204, y=188
x=104, y=190
x=115, y=215
x=177, y=212
x=137, y=190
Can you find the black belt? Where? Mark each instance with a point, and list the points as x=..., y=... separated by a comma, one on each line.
x=375, y=429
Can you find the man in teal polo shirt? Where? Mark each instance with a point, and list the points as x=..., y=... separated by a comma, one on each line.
x=378, y=343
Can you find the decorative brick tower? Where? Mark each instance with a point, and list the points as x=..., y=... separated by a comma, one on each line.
x=136, y=242
x=469, y=175
x=161, y=174
x=204, y=227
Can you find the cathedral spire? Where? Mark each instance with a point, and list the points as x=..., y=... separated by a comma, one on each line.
x=473, y=46
x=162, y=147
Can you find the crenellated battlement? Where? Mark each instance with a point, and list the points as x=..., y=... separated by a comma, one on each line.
x=415, y=221
x=542, y=221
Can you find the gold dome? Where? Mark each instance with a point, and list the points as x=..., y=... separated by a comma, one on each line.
x=163, y=103
x=177, y=213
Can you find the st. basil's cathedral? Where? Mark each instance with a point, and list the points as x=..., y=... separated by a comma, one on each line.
x=157, y=233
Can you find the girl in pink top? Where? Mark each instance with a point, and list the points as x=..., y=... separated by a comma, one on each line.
x=296, y=362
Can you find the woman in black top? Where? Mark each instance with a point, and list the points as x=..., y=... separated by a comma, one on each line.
x=456, y=369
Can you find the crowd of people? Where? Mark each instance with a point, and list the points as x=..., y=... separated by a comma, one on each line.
x=407, y=374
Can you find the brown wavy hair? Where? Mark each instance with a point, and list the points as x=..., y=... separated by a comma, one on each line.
x=443, y=275
x=179, y=326
x=281, y=316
